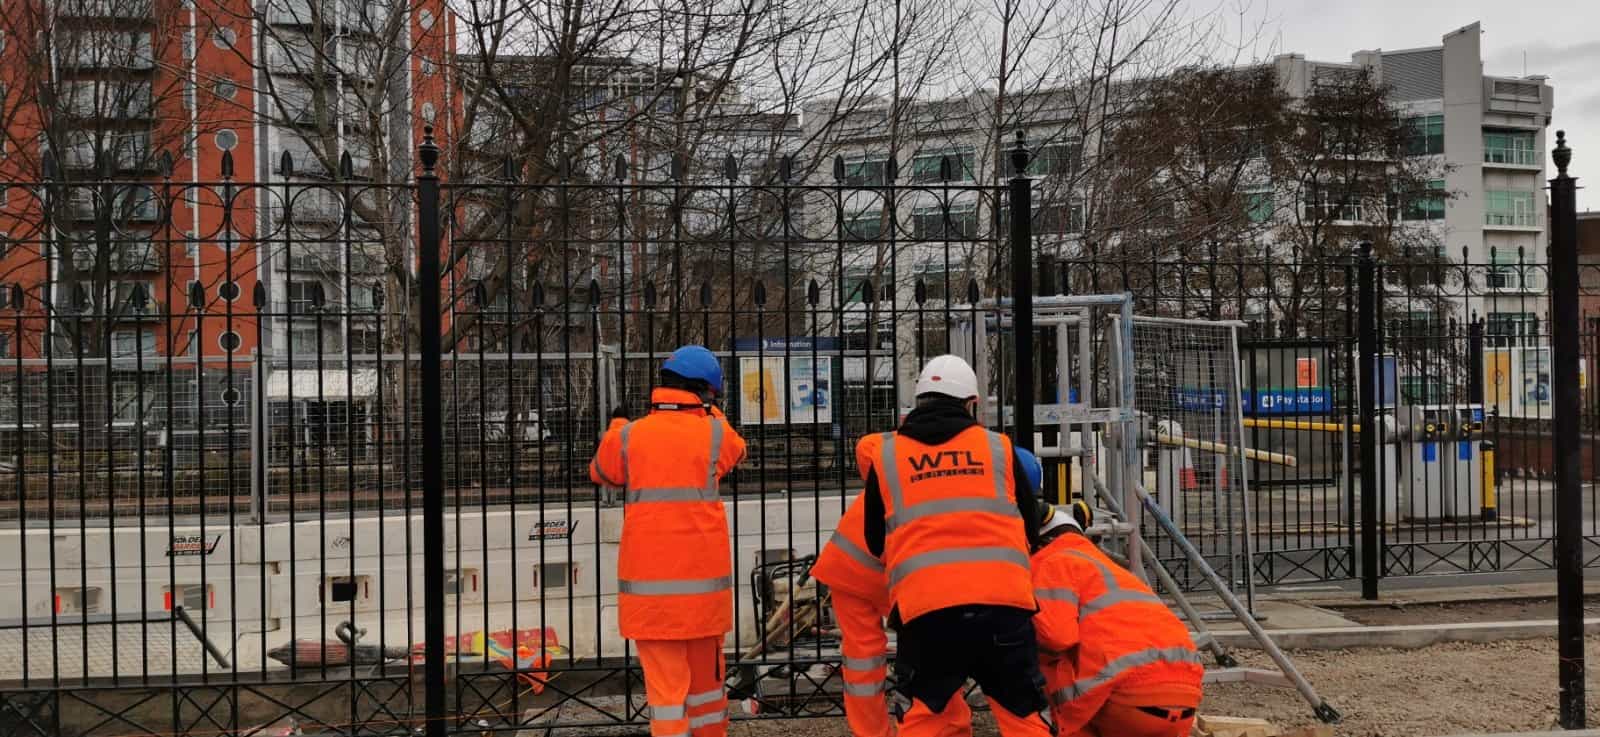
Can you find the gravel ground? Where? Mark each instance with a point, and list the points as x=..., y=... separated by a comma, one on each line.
x=1441, y=690
x=1509, y=610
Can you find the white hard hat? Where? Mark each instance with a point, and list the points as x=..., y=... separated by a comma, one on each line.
x=948, y=375
x=1058, y=518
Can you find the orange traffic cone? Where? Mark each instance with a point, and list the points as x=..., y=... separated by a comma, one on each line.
x=1188, y=480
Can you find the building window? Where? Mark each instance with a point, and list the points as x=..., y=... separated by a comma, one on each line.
x=1415, y=324
x=1427, y=205
x=366, y=297
x=1055, y=159
x=1424, y=135
x=5, y=345
x=1258, y=205
x=935, y=223
x=224, y=89
x=928, y=166
x=1059, y=218
x=1502, y=207
x=305, y=297
x=228, y=341
x=133, y=343
x=364, y=341
x=303, y=340
x=1505, y=329
x=864, y=226
x=858, y=287
x=224, y=38
x=5, y=243
x=867, y=172
x=226, y=139
x=1510, y=147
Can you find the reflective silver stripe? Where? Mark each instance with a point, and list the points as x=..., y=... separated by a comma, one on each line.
x=623, y=436
x=706, y=720
x=887, y=475
x=956, y=555
x=666, y=713
x=1120, y=665
x=594, y=468
x=1115, y=597
x=999, y=464
x=863, y=689
x=1115, y=592
x=865, y=663
x=716, y=452
x=1056, y=595
x=704, y=697
x=946, y=506
x=849, y=548
x=676, y=586
x=671, y=494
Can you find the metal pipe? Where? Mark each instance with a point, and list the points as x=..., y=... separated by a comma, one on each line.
x=183, y=615
x=1323, y=710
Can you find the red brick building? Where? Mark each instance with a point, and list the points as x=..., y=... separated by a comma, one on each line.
x=129, y=90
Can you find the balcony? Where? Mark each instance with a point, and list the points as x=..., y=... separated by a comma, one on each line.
x=1514, y=157
x=105, y=9
x=106, y=100
x=108, y=50
x=1512, y=220
x=1515, y=279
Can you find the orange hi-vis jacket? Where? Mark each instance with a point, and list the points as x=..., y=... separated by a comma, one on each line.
x=844, y=563
x=953, y=535
x=675, y=568
x=1101, y=629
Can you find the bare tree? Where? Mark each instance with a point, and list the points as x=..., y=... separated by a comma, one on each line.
x=96, y=95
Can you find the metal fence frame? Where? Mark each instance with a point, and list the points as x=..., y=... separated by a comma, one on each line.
x=431, y=458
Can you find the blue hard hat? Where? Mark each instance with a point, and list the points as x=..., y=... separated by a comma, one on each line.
x=696, y=362
x=1030, y=466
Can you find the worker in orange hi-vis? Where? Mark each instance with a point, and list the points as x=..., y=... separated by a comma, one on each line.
x=859, y=593
x=946, y=513
x=1115, y=659
x=675, y=567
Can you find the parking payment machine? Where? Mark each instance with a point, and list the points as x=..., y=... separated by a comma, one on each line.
x=1443, y=477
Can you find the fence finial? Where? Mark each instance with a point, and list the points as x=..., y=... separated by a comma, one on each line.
x=428, y=151
x=1562, y=155
x=1019, y=155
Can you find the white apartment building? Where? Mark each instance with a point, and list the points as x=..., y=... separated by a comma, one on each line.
x=1488, y=133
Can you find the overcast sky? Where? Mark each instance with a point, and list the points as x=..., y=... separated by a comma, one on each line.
x=1560, y=38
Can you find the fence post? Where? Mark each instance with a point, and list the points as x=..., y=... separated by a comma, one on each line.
x=1367, y=337
x=1021, y=206
x=430, y=327
x=1565, y=410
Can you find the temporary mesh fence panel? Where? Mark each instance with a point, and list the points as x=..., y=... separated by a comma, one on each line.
x=1187, y=393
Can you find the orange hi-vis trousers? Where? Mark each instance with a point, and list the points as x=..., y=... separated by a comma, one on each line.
x=1144, y=711
x=683, y=683
x=865, y=648
x=956, y=721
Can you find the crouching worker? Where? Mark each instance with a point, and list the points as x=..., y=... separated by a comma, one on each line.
x=1116, y=661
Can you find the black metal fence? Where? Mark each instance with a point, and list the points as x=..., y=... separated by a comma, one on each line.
x=234, y=488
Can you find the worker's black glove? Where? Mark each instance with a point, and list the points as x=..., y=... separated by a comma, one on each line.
x=619, y=413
